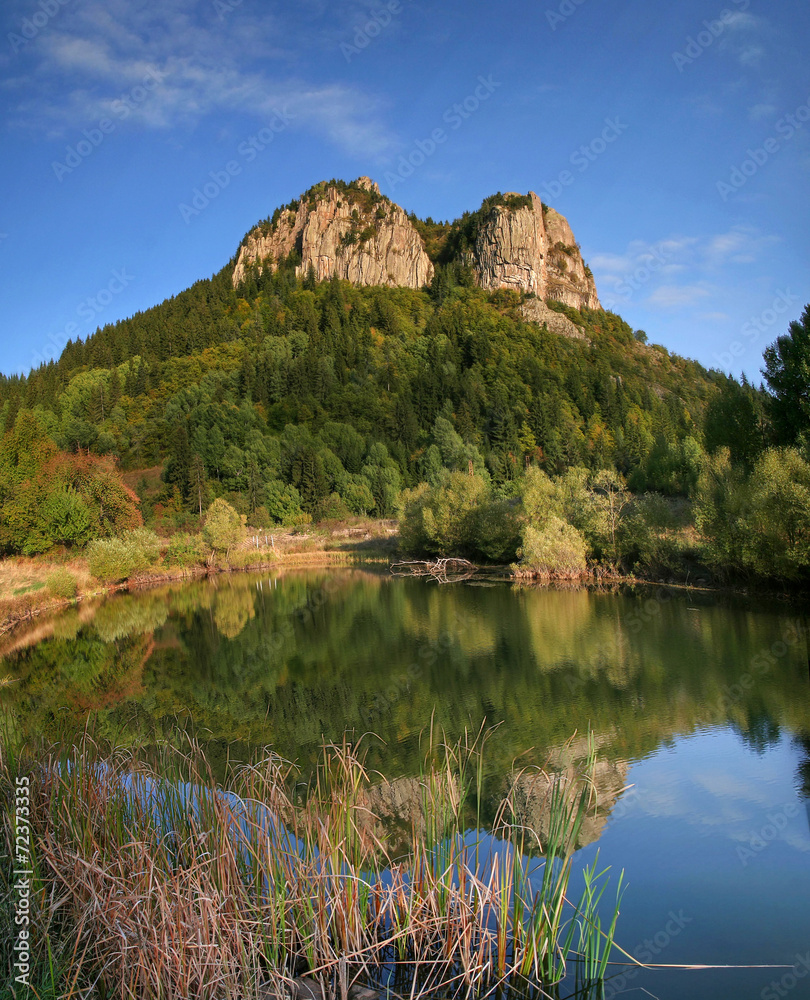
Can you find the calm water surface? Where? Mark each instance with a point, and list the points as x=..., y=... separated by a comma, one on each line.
x=700, y=708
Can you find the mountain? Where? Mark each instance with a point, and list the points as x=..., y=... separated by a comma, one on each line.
x=354, y=232
x=347, y=351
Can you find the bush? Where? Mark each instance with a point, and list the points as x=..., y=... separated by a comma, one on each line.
x=62, y=583
x=224, y=527
x=110, y=559
x=147, y=543
x=556, y=549
x=185, y=550
x=114, y=559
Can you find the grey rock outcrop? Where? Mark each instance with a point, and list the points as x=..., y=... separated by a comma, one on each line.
x=532, y=249
x=368, y=241
x=536, y=311
x=354, y=232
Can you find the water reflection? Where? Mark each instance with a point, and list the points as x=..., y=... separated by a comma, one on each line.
x=291, y=660
x=701, y=705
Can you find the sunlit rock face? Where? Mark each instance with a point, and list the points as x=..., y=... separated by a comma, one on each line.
x=368, y=241
x=356, y=233
x=532, y=249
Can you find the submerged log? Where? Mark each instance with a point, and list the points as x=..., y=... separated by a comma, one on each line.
x=445, y=570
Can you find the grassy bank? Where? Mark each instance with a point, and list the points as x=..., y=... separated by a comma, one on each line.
x=150, y=880
x=43, y=584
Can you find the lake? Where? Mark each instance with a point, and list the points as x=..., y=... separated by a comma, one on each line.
x=699, y=706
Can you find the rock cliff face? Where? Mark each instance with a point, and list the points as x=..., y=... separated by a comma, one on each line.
x=532, y=249
x=356, y=233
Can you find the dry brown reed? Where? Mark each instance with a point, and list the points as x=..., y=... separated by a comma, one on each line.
x=155, y=882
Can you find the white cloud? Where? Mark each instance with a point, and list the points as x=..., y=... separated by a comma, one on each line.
x=739, y=20
x=740, y=245
x=99, y=52
x=677, y=296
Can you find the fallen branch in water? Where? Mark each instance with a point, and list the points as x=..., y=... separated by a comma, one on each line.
x=446, y=570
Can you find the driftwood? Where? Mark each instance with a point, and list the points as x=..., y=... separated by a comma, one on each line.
x=449, y=570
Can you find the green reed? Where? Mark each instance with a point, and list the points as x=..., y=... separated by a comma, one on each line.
x=187, y=891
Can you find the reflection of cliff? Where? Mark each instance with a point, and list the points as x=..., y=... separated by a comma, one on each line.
x=529, y=791
x=523, y=797
x=803, y=742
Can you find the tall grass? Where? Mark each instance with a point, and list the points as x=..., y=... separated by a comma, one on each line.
x=153, y=881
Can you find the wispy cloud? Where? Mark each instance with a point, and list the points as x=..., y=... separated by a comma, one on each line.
x=678, y=271
x=677, y=296
x=743, y=38
x=79, y=69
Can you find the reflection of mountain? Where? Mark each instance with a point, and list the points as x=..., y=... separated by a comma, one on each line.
x=400, y=803
x=313, y=654
x=529, y=791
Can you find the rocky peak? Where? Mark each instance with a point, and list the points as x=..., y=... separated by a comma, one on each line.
x=348, y=230
x=367, y=184
x=355, y=232
x=522, y=244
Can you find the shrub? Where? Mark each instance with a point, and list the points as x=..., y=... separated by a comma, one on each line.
x=185, y=550
x=114, y=559
x=62, y=583
x=110, y=559
x=556, y=549
x=147, y=543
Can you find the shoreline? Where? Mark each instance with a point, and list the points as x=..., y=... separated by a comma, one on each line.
x=19, y=610
x=24, y=608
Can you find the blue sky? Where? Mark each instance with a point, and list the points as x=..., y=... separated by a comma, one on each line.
x=674, y=137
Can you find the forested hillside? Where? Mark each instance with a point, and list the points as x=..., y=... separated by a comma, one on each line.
x=299, y=400
x=337, y=390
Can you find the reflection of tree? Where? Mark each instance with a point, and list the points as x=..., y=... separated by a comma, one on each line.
x=234, y=605
x=130, y=615
x=313, y=654
x=803, y=742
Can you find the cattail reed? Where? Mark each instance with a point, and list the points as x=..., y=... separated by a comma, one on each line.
x=154, y=881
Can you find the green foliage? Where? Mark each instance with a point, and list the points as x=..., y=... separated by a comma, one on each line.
x=787, y=372
x=224, y=527
x=185, y=550
x=283, y=504
x=778, y=520
x=757, y=521
x=734, y=420
x=460, y=516
x=66, y=517
x=51, y=498
x=62, y=583
x=552, y=549
x=114, y=559
x=651, y=540
x=721, y=504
